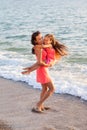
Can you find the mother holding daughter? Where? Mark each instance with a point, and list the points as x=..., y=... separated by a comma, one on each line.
x=47, y=51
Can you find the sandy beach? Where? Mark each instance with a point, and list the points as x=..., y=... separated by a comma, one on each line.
x=17, y=99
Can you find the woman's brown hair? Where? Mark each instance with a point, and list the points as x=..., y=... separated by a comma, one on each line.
x=33, y=40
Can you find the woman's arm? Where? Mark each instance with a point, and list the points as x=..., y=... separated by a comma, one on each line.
x=39, y=62
x=39, y=58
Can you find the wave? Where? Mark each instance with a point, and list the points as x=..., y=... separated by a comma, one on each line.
x=67, y=79
x=14, y=49
x=16, y=37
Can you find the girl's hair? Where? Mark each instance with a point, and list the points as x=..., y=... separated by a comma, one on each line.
x=33, y=40
x=60, y=49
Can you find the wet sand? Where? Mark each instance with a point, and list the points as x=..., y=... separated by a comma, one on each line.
x=17, y=99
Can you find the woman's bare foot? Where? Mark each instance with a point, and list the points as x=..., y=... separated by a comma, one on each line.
x=36, y=110
x=45, y=108
x=39, y=106
x=42, y=107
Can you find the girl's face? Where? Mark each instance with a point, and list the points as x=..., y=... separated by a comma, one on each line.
x=47, y=40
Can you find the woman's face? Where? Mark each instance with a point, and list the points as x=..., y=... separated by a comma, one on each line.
x=39, y=39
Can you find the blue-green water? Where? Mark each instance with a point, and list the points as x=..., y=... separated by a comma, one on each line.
x=66, y=19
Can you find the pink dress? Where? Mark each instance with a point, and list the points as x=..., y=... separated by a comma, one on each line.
x=50, y=54
x=42, y=72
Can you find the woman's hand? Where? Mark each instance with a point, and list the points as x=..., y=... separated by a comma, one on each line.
x=52, y=63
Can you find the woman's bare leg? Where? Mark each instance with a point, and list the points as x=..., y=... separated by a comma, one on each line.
x=48, y=93
x=43, y=92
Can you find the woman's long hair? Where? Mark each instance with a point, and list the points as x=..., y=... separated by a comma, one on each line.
x=60, y=49
x=33, y=40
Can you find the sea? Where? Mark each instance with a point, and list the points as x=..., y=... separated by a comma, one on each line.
x=67, y=20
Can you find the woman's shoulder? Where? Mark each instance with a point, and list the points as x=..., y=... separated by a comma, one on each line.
x=37, y=49
x=37, y=46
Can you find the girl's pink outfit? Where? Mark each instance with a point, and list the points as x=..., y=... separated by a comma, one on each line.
x=43, y=77
x=50, y=54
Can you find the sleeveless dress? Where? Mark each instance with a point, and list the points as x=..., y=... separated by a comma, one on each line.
x=42, y=74
x=50, y=54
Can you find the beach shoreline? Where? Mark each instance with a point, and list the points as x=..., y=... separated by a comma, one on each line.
x=17, y=99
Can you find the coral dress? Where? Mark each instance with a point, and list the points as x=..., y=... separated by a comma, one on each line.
x=50, y=54
x=42, y=72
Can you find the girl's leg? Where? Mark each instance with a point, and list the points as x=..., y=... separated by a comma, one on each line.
x=33, y=67
x=30, y=69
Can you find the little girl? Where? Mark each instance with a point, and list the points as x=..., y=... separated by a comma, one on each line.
x=54, y=51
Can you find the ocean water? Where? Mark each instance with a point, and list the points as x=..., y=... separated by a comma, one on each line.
x=66, y=19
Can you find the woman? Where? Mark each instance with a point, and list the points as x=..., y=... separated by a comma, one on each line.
x=42, y=74
x=42, y=71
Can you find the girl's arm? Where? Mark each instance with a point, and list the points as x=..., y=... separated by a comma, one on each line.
x=46, y=46
x=43, y=46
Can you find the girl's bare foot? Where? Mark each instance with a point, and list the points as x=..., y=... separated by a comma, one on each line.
x=26, y=72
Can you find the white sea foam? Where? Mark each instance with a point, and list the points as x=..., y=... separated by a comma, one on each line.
x=65, y=79
x=68, y=22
